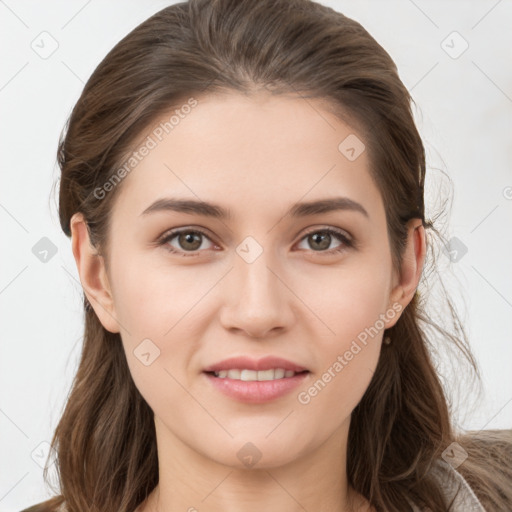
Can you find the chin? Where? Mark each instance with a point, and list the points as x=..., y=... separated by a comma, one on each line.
x=257, y=452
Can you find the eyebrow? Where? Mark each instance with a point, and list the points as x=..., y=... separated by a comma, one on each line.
x=194, y=207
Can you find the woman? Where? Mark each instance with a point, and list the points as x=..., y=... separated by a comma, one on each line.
x=243, y=185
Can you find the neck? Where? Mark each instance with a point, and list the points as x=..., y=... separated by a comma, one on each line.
x=190, y=482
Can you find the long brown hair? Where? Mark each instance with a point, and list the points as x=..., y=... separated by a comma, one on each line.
x=105, y=440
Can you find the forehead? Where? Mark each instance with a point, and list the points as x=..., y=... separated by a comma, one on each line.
x=249, y=152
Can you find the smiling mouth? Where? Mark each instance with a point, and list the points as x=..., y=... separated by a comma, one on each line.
x=253, y=375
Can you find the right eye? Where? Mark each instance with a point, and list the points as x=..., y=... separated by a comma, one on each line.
x=189, y=239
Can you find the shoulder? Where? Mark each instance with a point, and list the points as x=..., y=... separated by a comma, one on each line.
x=485, y=462
x=455, y=487
x=496, y=443
x=474, y=472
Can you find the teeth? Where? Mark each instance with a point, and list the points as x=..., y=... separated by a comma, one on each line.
x=279, y=373
x=252, y=375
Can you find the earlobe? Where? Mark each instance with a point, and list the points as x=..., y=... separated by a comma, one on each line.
x=412, y=266
x=93, y=274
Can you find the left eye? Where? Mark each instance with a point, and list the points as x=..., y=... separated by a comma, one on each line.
x=191, y=241
x=323, y=238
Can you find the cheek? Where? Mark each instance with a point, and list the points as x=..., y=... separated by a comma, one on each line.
x=347, y=358
x=353, y=307
x=350, y=300
x=155, y=304
x=153, y=297
x=160, y=309
x=334, y=393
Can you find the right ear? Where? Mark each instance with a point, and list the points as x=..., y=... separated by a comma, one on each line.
x=93, y=274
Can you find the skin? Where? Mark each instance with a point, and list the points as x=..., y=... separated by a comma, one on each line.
x=257, y=156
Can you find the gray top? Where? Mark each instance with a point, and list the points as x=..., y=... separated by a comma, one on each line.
x=454, y=484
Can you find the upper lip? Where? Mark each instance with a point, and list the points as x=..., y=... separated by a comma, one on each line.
x=265, y=363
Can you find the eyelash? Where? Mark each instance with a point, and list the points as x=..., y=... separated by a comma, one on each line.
x=346, y=242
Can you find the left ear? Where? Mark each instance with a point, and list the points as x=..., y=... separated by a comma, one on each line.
x=412, y=266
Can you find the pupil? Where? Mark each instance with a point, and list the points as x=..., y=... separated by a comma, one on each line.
x=188, y=238
x=326, y=240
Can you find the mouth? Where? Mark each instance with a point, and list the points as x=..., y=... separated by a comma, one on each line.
x=255, y=387
x=255, y=381
x=247, y=375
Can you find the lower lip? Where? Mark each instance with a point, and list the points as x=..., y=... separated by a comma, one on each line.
x=256, y=392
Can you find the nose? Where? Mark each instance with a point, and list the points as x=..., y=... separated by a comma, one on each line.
x=258, y=300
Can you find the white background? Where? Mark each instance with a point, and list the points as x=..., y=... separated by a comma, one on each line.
x=464, y=115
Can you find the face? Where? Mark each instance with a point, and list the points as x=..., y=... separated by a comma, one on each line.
x=190, y=289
